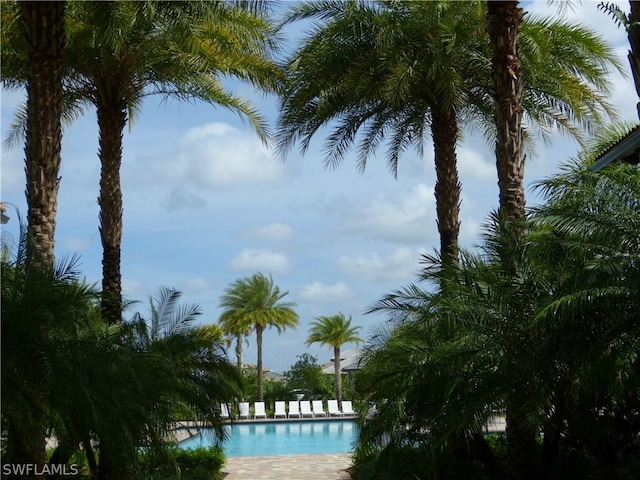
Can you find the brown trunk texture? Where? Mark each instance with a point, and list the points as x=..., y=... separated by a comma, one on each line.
x=259, y=330
x=444, y=129
x=112, y=119
x=44, y=34
x=336, y=368
x=239, y=352
x=503, y=25
x=633, y=35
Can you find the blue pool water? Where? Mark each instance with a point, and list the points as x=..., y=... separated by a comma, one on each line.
x=283, y=438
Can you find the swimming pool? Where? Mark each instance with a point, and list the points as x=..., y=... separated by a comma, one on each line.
x=283, y=438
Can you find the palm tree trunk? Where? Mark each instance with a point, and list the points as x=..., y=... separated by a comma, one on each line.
x=503, y=25
x=504, y=19
x=444, y=129
x=44, y=35
x=521, y=443
x=633, y=34
x=337, y=368
x=25, y=446
x=259, y=330
x=112, y=118
x=239, y=352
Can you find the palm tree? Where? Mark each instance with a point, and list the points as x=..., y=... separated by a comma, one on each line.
x=334, y=331
x=177, y=50
x=120, y=52
x=38, y=28
x=255, y=303
x=195, y=354
x=455, y=347
x=592, y=221
x=371, y=68
x=550, y=317
x=137, y=379
x=236, y=333
x=42, y=306
x=504, y=22
x=630, y=22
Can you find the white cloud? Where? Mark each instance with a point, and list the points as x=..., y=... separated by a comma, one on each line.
x=265, y=261
x=321, y=292
x=182, y=197
x=410, y=218
x=217, y=154
x=472, y=166
x=274, y=231
x=402, y=263
x=197, y=284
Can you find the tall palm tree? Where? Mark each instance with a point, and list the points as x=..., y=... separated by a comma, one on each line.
x=256, y=303
x=38, y=30
x=120, y=52
x=334, y=331
x=370, y=69
x=504, y=22
x=177, y=50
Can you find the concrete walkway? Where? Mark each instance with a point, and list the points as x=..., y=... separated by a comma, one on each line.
x=289, y=467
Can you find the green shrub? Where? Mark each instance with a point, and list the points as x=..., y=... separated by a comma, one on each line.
x=203, y=463
x=394, y=462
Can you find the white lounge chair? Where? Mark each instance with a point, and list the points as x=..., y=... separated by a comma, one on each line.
x=294, y=408
x=305, y=408
x=224, y=410
x=258, y=410
x=243, y=408
x=318, y=409
x=347, y=408
x=280, y=410
x=334, y=411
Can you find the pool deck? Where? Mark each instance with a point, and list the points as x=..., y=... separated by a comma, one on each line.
x=331, y=466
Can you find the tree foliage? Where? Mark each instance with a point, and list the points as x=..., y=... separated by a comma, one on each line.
x=305, y=376
x=334, y=331
x=388, y=74
x=548, y=322
x=255, y=304
x=69, y=374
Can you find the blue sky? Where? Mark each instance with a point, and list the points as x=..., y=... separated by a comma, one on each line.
x=205, y=203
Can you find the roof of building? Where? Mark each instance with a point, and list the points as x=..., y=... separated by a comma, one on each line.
x=349, y=361
x=627, y=150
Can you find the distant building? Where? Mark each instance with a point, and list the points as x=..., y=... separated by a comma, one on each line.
x=272, y=376
x=349, y=364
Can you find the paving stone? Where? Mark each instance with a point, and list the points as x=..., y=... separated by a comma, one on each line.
x=289, y=467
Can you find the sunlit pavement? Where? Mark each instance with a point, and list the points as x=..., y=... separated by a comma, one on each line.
x=289, y=467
